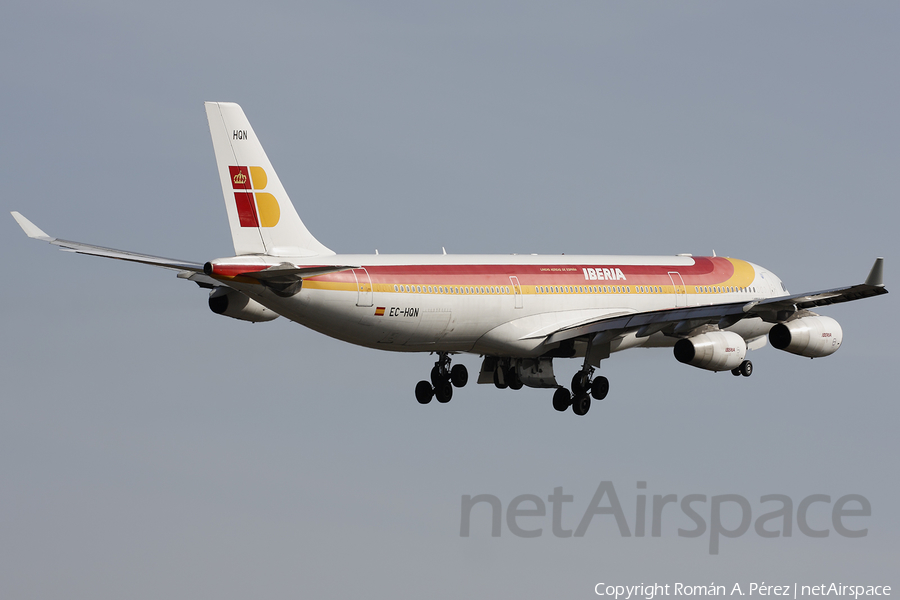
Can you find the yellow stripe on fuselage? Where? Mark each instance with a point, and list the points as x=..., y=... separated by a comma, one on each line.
x=744, y=273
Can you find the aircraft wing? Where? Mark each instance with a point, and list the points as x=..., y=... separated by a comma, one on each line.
x=34, y=232
x=675, y=321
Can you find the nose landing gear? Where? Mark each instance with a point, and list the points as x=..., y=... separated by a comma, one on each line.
x=443, y=380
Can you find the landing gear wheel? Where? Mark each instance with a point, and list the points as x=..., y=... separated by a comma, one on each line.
x=443, y=391
x=459, y=376
x=512, y=379
x=736, y=371
x=600, y=387
x=746, y=368
x=436, y=375
x=562, y=399
x=498, y=382
x=424, y=392
x=581, y=404
x=581, y=382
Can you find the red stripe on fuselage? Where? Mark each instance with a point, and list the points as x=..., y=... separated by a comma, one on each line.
x=704, y=271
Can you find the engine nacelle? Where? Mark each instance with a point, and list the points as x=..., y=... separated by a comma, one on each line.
x=231, y=303
x=713, y=351
x=813, y=337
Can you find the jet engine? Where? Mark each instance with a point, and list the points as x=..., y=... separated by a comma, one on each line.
x=807, y=336
x=231, y=303
x=713, y=351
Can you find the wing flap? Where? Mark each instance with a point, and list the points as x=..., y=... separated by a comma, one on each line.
x=680, y=320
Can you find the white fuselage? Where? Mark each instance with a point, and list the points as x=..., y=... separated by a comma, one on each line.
x=503, y=305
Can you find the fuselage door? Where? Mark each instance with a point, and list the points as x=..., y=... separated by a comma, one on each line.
x=517, y=290
x=364, y=287
x=680, y=291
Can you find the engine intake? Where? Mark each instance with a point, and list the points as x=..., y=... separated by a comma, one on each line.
x=713, y=351
x=232, y=303
x=812, y=337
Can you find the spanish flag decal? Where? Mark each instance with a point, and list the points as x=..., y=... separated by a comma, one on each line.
x=379, y=312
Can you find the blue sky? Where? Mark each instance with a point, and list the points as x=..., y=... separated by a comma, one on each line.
x=150, y=448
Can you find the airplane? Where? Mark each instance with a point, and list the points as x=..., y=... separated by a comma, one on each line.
x=517, y=312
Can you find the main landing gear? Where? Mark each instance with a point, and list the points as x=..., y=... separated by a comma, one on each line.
x=443, y=380
x=507, y=377
x=584, y=387
x=745, y=369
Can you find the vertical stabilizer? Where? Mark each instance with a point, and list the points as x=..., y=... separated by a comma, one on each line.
x=261, y=216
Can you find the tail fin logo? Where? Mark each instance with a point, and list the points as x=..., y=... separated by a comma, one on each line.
x=255, y=207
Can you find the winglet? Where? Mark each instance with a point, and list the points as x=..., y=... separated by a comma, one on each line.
x=30, y=229
x=876, y=275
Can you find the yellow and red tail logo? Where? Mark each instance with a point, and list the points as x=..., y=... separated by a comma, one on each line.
x=255, y=207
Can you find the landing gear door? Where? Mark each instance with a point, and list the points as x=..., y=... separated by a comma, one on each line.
x=517, y=290
x=364, y=287
x=680, y=291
